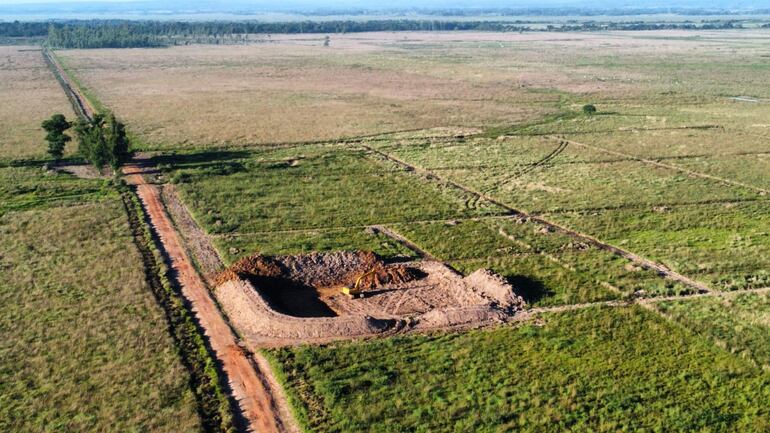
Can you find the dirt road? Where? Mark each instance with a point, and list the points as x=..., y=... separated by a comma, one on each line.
x=260, y=398
x=248, y=383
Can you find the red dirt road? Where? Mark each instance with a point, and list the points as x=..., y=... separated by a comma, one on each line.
x=247, y=382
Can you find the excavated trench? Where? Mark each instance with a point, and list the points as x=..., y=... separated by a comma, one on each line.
x=291, y=298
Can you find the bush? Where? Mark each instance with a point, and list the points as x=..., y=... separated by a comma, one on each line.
x=589, y=109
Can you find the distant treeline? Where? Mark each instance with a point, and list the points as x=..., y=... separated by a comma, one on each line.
x=23, y=30
x=126, y=34
x=537, y=11
x=102, y=36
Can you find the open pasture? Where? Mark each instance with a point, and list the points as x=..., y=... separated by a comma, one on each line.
x=29, y=95
x=290, y=88
x=593, y=370
x=456, y=132
x=84, y=345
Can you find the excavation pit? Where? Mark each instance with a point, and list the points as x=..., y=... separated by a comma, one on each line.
x=276, y=300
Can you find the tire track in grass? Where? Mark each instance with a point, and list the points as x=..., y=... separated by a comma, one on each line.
x=761, y=191
x=645, y=263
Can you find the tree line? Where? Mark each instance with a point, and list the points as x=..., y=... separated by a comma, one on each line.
x=129, y=34
x=102, y=140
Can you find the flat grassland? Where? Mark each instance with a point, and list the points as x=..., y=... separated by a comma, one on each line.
x=671, y=168
x=30, y=95
x=596, y=370
x=84, y=346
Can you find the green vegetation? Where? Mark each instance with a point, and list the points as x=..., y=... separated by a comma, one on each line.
x=56, y=138
x=604, y=370
x=133, y=34
x=738, y=323
x=547, y=268
x=84, y=345
x=724, y=244
x=308, y=188
x=26, y=188
x=103, y=141
x=699, y=366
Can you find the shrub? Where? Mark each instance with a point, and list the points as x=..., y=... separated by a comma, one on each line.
x=589, y=109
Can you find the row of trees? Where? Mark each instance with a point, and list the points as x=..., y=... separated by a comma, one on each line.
x=124, y=34
x=102, y=140
x=100, y=36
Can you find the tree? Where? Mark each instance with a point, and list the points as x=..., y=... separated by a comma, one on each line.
x=589, y=109
x=117, y=142
x=56, y=138
x=103, y=141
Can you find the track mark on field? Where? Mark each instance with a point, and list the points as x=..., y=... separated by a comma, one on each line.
x=645, y=263
x=648, y=303
x=403, y=241
x=80, y=104
x=664, y=165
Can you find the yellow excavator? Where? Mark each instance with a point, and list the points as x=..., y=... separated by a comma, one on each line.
x=355, y=291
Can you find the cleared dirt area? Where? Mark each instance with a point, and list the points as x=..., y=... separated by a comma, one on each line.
x=283, y=300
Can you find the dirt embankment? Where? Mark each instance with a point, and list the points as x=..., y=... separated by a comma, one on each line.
x=197, y=241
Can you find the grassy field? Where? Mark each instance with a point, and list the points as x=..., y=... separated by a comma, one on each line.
x=294, y=89
x=671, y=168
x=596, y=370
x=84, y=345
x=30, y=95
x=322, y=197
x=738, y=324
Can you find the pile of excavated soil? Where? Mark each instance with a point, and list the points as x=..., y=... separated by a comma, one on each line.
x=382, y=275
x=494, y=287
x=314, y=269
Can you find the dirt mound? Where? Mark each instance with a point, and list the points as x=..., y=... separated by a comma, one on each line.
x=277, y=300
x=335, y=269
x=252, y=266
x=382, y=275
x=494, y=287
x=327, y=269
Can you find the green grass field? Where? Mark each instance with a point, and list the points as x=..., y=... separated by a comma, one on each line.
x=84, y=346
x=596, y=370
x=738, y=324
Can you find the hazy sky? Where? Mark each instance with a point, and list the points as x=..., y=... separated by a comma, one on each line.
x=467, y=3
x=382, y=4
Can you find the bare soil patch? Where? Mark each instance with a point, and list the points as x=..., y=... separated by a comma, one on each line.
x=277, y=300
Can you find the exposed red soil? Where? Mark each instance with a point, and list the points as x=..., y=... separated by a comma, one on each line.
x=246, y=382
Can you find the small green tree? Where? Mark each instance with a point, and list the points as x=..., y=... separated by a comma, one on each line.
x=91, y=143
x=103, y=141
x=56, y=138
x=117, y=143
x=589, y=109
